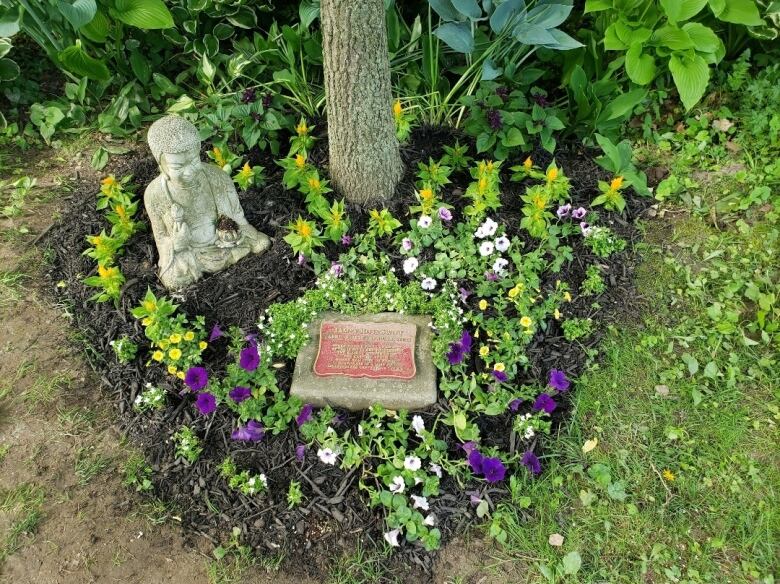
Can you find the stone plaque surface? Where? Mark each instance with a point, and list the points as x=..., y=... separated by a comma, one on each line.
x=356, y=361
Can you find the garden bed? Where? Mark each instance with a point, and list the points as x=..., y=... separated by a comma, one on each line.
x=334, y=514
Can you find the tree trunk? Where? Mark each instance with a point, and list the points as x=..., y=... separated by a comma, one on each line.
x=365, y=164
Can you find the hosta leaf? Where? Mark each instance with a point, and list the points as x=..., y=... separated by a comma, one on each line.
x=444, y=9
x=468, y=8
x=77, y=61
x=529, y=34
x=490, y=71
x=640, y=66
x=703, y=37
x=504, y=12
x=78, y=12
x=672, y=38
x=9, y=21
x=737, y=11
x=597, y=5
x=691, y=76
x=9, y=70
x=308, y=12
x=563, y=42
x=457, y=36
x=96, y=29
x=548, y=15
x=146, y=14
x=680, y=10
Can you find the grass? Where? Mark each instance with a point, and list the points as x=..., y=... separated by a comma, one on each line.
x=22, y=505
x=90, y=464
x=683, y=484
x=12, y=288
x=362, y=567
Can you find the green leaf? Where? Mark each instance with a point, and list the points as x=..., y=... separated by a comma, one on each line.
x=468, y=8
x=548, y=15
x=530, y=34
x=490, y=71
x=308, y=12
x=563, y=42
x=680, y=10
x=711, y=370
x=513, y=138
x=457, y=36
x=146, y=14
x=77, y=13
x=623, y=104
x=141, y=68
x=737, y=11
x=5, y=47
x=505, y=11
x=445, y=10
x=244, y=18
x=597, y=5
x=77, y=61
x=691, y=76
x=672, y=38
x=97, y=29
x=691, y=362
x=9, y=70
x=485, y=142
x=640, y=67
x=612, y=41
x=99, y=158
x=571, y=563
x=704, y=38
x=9, y=21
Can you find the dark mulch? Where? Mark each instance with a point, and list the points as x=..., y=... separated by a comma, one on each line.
x=334, y=513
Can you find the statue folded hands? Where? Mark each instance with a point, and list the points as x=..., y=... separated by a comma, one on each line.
x=196, y=218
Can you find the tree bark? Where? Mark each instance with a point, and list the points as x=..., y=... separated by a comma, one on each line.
x=365, y=163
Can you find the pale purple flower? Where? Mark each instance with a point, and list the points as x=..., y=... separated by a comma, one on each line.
x=346, y=240
x=301, y=259
x=558, y=380
x=336, y=270
x=499, y=375
x=445, y=214
x=486, y=248
x=407, y=244
x=206, y=403
x=420, y=502
x=424, y=222
x=503, y=243
x=249, y=358
x=563, y=211
x=514, y=405
x=491, y=276
x=531, y=462
x=412, y=463
x=474, y=497
x=469, y=446
x=585, y=229
x=545, y=403
x=428, y=284
x=304, y=415
x=418, y=425
x=216, y=332
x=252, y=432
x=239, y=394
x=464, y=294
x=196, y=378
x=398, y=485
x=579, y=213
x=391, y=537
x=300, y=450
x=327, y=456
x=410, y=265
x=435, y=469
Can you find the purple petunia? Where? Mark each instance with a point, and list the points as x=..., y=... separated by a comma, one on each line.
x=249, y=358
x=469, y=446
x=196, y=378
x=558, y=380
x=514, y=405
x=475, y=461
x=300, y=450
x=579, y=213
x=544, y=402
x=336, y=270
x=493, y=469
x=531, y=462
x=499, y=375
x=464, y=294
x=459, y=349
x=206, y=403
x=491, y=276
x=304, y=415
x=252, y=432
x=346, y=240
x=239, y=394
x=445, y=214
x=301, y=259
x=216, y=332
x=563, y=211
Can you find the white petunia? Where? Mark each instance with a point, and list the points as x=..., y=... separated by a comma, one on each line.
x=398, y=485
x=485, y=248
x=428, y=284
x=406, y=244
x=500, y=265
x=430, y=520
x=420, y=502
x=410, y=265
x=418, y=425
x=412, y=463
x=327, y=455
x=424, y=222
x=435, y=469
x=489, y=227
x=391, y=537
x=503, y=243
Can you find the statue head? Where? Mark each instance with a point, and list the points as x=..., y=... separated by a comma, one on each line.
x=175, y=145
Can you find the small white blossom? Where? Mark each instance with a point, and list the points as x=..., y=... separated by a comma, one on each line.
x=430, y=520
x=406, y=244
x=424, y=222
x=420, y=503
x=410, y=265
x=487, y=229
x=485, y=248
x=391, y=537
x=398, y=485
x=503, y=243
x=435, y=469
x=412, y=463
x=428, y=284
x=418, y=425
x=360, y=429
x=327, y=455
x=500, y=265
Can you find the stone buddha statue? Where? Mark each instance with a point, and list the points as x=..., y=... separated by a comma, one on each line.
x=196, y=218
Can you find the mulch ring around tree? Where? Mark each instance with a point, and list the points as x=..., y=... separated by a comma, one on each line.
x=334, y=514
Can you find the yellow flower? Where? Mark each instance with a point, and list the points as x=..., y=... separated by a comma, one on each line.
x=483, y=304
x=426, y=194
x=397, y=109
x=107, y=272
x=314, y=184
x=489, y=166
x=175, y=354
x=172, y=370
x=175, y=338
x=483, y=351
x=528, y=163
x=552, y=174
x=616, y=183
x=499, y=367
x=246, y=171
x=202, y=345
x=668, y=475
x=109, y=181
x=218, y=156
x=567, y=296
x=150, y=305
x=147, y=321
x=180, y=374
x=189, y=335
x=300, y=161
x=302, y=129
x=526, y=322
x=483, y=183
x=158, y=355
x=513, y=292
x=476, y=334
x=302, y=228
x=557, y=314
x=164, y=344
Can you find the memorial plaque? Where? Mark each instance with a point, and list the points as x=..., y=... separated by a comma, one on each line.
x=357, y=361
